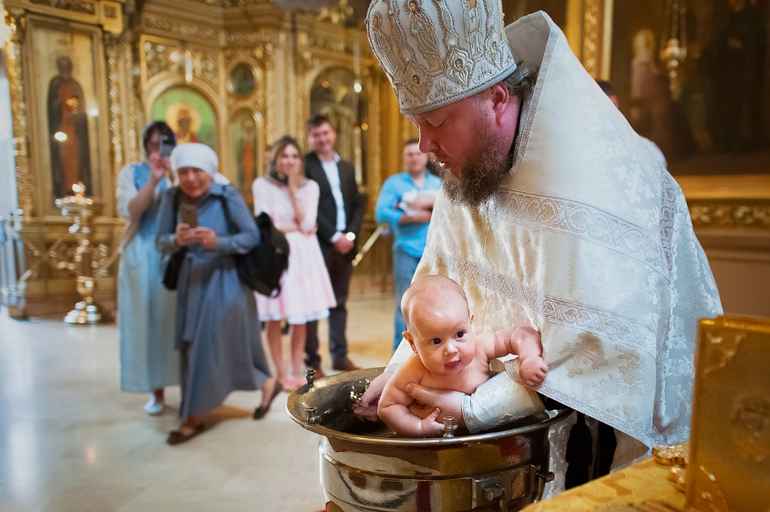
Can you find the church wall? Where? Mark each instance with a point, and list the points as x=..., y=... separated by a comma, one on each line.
x=252, y=64
x=743, y=278
x=197, y=46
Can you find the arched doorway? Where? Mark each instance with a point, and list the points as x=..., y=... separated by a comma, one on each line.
x=188, y=114
x=249, y=163
x=337, y=94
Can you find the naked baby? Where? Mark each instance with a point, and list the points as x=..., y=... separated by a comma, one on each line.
x=447, y=355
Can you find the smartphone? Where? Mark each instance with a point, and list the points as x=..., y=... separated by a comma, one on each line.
x=166, y=147
x=189, y=214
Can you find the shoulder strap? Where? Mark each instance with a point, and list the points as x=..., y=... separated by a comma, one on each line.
x=177, y=198
x=175, y=203
x=226, y=210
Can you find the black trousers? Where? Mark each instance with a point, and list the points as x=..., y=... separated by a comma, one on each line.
x=582, y=452
x=340, y=268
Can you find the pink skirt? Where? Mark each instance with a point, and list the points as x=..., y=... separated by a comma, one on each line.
x=306, y=291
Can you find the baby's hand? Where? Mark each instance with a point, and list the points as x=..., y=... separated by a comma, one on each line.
x=429, y=427
x=533, y=370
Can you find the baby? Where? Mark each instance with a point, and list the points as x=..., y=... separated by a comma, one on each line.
x=447, y=355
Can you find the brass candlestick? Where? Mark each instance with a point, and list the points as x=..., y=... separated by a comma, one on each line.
x=81, y=210
x=673, y=55
x=674, y=45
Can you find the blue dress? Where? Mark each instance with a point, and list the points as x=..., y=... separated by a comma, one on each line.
x=145, y=308
x=216, y=313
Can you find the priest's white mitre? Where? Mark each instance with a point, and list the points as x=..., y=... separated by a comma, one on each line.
x=436, y=53
x=589, y=241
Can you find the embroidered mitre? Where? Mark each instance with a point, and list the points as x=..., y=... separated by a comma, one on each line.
x=589, y=241
x=438, y=52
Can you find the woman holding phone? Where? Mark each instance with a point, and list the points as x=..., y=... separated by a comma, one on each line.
x=306, y=295
x=217, y=326
x=148, y=361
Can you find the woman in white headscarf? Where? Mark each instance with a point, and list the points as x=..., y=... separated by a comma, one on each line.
x=148, y=361
x=217, y=326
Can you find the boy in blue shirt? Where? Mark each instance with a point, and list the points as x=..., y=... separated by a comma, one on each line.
x=406, y=205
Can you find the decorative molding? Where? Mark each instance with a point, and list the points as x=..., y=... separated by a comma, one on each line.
x=132, y=151
x=330, y=45
x=16, y=27
x=185, y=30
x=257, y=59
x=165, y=56
x=113, y=53
x=304, y=64
x=270, y=93
x=591, y=37
x=231, y=3
x=79, y=6
x=111, y=11
x=62, y=256
x=374, y=137
x=338, y=13
x=730, y=214
x=248, y=38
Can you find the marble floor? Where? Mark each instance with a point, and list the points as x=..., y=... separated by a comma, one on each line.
x=70, y=441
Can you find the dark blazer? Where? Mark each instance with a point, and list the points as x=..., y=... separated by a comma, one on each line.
x=355, y=202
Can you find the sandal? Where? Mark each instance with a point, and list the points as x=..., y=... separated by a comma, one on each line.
x=177, y=436
x=262, y=410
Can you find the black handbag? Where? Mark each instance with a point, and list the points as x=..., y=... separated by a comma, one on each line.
x=171, y=275
x=262, y=267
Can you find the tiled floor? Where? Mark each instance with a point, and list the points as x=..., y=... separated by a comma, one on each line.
x=70, y=441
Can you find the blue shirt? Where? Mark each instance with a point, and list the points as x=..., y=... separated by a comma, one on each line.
x=409, y=237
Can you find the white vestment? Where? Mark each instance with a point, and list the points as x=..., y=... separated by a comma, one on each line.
x=590, y=242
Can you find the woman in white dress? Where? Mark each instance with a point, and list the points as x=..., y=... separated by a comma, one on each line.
x=306, y=295
x=148, y=361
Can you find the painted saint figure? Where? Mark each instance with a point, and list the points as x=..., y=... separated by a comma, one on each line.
x=68, y=131
x=650, y=110
x=422, y=30
x=247, y=154
x=185, y=133
x=738, y=51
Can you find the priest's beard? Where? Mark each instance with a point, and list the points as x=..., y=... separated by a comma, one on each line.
x=482, y=171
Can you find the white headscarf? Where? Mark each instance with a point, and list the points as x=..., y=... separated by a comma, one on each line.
x=194, y=154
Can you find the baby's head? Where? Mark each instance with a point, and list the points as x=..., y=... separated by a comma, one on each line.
x=438, y=324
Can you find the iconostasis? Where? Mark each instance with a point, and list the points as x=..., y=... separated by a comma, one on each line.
x=86, y=76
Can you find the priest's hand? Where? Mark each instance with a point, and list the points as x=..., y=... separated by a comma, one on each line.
x=371, y=397
x=450, y=402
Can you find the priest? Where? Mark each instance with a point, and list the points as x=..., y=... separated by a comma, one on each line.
x=553, y=215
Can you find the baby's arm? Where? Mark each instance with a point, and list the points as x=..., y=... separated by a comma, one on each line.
x=524, y=342
x=393, y=408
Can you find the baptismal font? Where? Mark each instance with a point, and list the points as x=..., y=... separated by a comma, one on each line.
x=81, y=210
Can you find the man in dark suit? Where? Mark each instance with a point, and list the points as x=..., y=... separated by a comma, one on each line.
x=340, y=214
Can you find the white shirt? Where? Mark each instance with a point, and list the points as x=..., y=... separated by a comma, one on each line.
x=333, y=175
